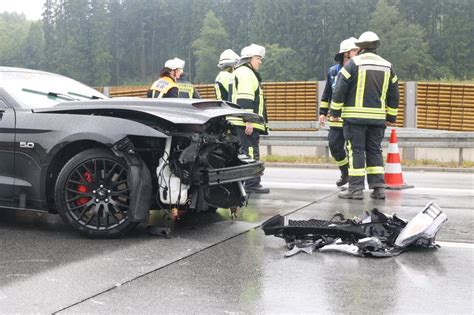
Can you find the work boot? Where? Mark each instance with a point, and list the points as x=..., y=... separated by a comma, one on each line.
x=257, y=189
x=344, y=176
x=347, y=194
x=344, y=179
x=378, y=193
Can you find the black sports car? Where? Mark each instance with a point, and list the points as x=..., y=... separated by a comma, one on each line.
x=103, y=163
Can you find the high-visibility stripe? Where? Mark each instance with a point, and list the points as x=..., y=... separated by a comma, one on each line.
x=342, y=162
x=324, y=105
x=346, y=74
x=356, y=172
x=336, y=106
x=383, y=96
x=335, y=123
x=359, y=100
x=375, y=68
x=375, y=170
x=245, y=96
x=392, y=111
x=393, y=168
x=394, y=79
x=218, y=91
x=251, y=152
x=368, y=110
x=363, y=115
x=353, y=171
x=392, y=148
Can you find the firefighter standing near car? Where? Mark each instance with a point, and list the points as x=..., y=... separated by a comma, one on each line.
x=227, y=61
x=166, y=85
x=347, y=50
x=186, y=88
x=366, y=96
x=247, y=92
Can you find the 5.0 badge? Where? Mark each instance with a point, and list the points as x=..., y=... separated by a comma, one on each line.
x=27, y=145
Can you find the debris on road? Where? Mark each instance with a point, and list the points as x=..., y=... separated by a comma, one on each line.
x=373, y=234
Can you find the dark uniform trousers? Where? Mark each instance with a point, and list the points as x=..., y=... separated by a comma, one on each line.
x=337, y=145
x=364, y=144
x=249, y=146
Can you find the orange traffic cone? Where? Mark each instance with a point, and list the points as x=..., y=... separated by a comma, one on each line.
x=393, y=168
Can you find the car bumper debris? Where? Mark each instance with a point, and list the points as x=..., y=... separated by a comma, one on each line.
x=373, y=234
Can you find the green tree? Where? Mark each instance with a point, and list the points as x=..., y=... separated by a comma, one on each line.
x=13, y=33
x=281, y=64
x=212, y=40
x=33, y=49
x=402, y=43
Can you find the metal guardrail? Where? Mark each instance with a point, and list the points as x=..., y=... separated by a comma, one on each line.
x=408, y=138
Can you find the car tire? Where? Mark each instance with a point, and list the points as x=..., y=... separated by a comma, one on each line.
x=92, y=194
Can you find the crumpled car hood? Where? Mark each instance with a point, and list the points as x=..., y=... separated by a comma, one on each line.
x=177, y=111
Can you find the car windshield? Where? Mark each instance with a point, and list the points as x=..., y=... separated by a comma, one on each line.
x=41, y=89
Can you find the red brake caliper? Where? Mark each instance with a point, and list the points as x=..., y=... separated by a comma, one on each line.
x=83, y=189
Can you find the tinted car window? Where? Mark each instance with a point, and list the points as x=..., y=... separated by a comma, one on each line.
x=38, y=89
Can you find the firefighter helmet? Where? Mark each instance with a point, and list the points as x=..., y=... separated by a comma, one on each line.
x=345, y=46
x=174, y=63
x=368, y=40
x=227, y=59
x=252, y=50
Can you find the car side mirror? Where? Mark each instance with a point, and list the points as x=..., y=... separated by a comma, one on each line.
x=1, y=113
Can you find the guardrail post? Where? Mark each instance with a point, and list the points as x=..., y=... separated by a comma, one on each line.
x=410, y=115
x=106, y=91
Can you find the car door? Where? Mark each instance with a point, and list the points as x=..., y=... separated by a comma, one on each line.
x=7, y=151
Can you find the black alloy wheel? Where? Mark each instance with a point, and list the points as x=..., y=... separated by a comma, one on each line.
x=93, y=194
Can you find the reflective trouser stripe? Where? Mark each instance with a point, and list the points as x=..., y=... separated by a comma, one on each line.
x=375, y=170
x=342, y=162
x=251, y=152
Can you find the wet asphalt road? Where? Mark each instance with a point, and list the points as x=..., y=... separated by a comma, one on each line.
x=217, y=265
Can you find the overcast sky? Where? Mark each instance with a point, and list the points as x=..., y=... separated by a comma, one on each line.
x=32, y=9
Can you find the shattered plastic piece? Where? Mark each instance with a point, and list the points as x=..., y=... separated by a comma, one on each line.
x=375, y=234
x=424, y=226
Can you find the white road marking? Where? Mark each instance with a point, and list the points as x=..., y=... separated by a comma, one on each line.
x=456, y=245
x=467, y=192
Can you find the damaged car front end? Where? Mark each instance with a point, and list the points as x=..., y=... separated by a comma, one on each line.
x=103, y=163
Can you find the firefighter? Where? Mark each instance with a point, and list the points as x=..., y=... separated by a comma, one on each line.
x=366, y=96
x=186, y=88
x=247, y=92
x=227, y=61
x=166, y=85
x=347, y=50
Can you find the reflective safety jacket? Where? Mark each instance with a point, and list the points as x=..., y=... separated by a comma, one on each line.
x=163, y=87
x=366, y=91
x=222, y=85
x=327, y=94
x=247, y=92
x=187, y=90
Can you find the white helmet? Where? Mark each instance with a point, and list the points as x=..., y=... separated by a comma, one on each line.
x=174, y=63
x=345, y=46
x=227, y=59
x=252, y=50
x=368, y=40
